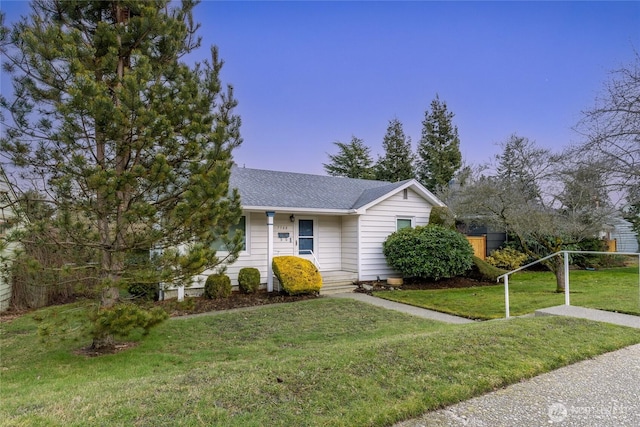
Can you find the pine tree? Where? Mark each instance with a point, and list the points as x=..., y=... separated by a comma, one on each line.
x=353, y=160
x=439, y=156
x=518, y=165
x=132, y=145
x=397, y=162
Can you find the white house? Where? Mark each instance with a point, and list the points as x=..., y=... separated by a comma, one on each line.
x=337, y=223
x=621, y=231
x=7, y=221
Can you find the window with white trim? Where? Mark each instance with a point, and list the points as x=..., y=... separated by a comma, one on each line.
x=241, y=226
x=403, y=223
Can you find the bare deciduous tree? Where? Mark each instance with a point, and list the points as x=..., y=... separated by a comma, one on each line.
x=611, y=128
x=547, y=212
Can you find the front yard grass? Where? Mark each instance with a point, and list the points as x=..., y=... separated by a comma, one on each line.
x=609, y=289
x=324, y=362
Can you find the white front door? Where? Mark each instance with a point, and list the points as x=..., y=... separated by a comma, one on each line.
x=307, y=236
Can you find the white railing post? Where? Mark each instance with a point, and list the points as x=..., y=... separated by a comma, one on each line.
x=270, y=216
x=315, y=260
x=566, y=278
x=566, y=272
x=506, y=295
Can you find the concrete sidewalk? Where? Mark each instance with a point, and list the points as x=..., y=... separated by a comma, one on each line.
x=600, y=392
x=591, y=314
x=561, y=310
x=404, y=308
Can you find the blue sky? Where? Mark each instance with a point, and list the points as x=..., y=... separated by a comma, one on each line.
x=307, y=74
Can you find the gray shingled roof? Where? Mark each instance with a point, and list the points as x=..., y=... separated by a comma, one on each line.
x=297, y=190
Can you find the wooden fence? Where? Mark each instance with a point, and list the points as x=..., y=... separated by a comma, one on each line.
x=479, y=245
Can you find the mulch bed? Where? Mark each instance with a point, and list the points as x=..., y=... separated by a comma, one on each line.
x=195, y=305
x=419, y=284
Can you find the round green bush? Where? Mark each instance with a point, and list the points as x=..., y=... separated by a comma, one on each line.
x=217, y=286
x=429, y=252
x=249, y=280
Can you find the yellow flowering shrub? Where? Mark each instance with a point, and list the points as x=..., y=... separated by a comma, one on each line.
x=297, y=275
x=508, y=258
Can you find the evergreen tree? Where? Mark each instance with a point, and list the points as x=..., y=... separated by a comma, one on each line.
x=132, y=145
x=519, y=164
x=397, y=162
x=352, y=161
x=439, y=149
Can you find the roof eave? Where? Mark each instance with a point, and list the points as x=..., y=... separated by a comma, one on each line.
x=419, y=188
x=293, y=209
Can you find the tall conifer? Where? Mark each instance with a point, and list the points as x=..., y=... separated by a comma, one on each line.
x=132, y=144
x=397, y=162
x=353, y=160
x=439, y=156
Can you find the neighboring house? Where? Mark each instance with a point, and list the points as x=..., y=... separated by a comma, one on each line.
x=7, y=221
x=621, y=231
x=337, y=223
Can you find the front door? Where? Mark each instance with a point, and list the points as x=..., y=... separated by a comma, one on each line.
x=307, y=238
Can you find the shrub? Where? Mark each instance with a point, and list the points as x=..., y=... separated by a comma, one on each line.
x=249, y=280
x=588, y=260
x=122, y=319
x=430, y=252
x=297, y=275
x=217, y=286
x=483, y=271
x=442, y=216
x=144, y=291
x=507, y=258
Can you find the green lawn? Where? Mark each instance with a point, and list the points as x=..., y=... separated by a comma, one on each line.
x=611, y=289
x=324, y=362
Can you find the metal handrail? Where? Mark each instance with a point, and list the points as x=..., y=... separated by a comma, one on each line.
x=565, y=254
x=315, y=259
x=527, y=266
x=316, y=262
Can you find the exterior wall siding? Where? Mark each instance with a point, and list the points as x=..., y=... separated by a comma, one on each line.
x=329, y=242
x=255, y=255
x=626, y=239
x=380, y=221
x=5, y=215
x=329, y=247
x=350, y=243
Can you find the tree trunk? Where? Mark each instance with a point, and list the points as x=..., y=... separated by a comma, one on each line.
x=109, y=297
x=106, y=342
x=112, y=260
x=558, y=270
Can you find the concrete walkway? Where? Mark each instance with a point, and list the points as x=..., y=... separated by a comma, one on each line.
x=603, y=391
x=404, y=308
x=591, y=314
x=599, y=392
x=561, y=310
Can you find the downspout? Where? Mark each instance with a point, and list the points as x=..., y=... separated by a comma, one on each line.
x=270, y=215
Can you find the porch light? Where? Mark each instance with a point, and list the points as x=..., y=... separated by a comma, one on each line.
x=292, y=218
